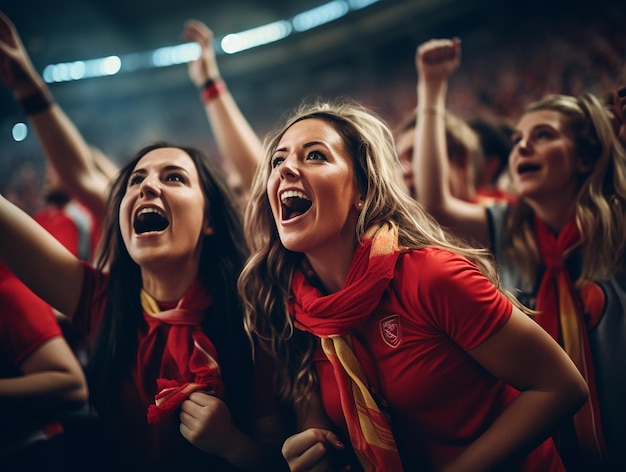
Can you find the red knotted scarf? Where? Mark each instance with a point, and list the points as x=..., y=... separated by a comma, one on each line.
x=331, y=318
x=188, y=359
x=561, y=315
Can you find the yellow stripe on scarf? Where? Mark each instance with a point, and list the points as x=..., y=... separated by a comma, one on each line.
x=148, y=303
x=570, y=325
x=587, y=427
x=385, y=240
x=372, y=423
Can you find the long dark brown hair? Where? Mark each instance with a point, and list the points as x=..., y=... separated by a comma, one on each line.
x=221, y=259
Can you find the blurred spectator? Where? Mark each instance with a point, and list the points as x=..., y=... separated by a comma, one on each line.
x=39, y=380
x=464, y=154
x=492, y=183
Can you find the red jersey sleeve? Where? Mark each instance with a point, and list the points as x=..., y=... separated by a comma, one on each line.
x=457, y=296
x=92, y=300
x=26, y=321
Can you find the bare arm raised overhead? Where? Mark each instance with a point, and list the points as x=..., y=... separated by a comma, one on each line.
x=435, y=61
x=61, y=141
x=236, y=140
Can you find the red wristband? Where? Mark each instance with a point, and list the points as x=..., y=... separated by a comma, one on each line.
x=211, y=89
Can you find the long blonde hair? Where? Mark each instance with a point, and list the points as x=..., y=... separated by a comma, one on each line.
x=265, y=281
x=601, y=199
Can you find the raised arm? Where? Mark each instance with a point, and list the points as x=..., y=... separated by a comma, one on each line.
x=235, y=138
x=61, y=142
x=435, y=61
x=523, y=355
x=104, y=164
x=38, y=259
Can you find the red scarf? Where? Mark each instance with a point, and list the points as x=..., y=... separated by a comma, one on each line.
x=562, y=315
x=188, y=359
x=332, y=317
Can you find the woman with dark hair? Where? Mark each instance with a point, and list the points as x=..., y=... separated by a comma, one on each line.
x=172, y=368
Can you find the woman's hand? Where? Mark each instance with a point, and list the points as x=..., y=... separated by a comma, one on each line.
x=438, y=58
x=16, y=69
x=206, y=422
x=205, y=67
x=311, y=450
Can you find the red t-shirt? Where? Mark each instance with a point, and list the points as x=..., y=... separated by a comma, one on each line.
x=26, y=323
x=159, y=445
x=437, y=307
x=73, y=225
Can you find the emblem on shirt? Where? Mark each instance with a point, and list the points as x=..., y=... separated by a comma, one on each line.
x=390, y=330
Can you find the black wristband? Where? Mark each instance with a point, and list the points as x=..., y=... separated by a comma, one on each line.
x=210, y=82
x=36, y=103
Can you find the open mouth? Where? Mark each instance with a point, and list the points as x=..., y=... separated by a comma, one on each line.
x=524, y=168
x=150, y=220
x=294, y=203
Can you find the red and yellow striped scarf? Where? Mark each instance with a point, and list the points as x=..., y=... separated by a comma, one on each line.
x=187, y=360
x=561, y=314
x=332, y=317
